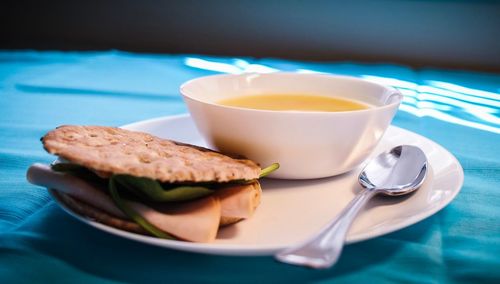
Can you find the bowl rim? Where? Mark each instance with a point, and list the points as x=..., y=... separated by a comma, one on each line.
x=394, y=92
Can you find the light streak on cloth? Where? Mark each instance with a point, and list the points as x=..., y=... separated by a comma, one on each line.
x=440, y=100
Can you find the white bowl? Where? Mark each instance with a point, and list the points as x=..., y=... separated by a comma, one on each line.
x=307, y=144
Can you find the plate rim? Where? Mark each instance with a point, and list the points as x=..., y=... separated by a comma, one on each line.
x=256, y=250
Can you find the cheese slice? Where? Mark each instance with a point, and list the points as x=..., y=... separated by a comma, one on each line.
x=43, y=175
x=196, y=221
x=239, y=201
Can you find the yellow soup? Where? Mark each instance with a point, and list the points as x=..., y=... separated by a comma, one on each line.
x=294, y=102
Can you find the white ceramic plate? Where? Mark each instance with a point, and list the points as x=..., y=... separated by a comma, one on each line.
x=292, y=210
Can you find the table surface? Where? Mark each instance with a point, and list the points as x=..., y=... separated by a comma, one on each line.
x=41, y=243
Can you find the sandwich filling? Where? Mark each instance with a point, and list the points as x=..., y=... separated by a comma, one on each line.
x=175, y=195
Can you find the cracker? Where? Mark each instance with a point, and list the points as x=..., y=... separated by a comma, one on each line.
x=110, y=150
x=98, y=215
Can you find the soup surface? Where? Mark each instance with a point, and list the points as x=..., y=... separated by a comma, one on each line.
x=294, y=103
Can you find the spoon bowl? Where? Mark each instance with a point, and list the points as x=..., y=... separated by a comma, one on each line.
x=398, y=171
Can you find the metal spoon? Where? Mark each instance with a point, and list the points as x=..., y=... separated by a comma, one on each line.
x=397, y=172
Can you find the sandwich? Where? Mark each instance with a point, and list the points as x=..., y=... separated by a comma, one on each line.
x=144, y=184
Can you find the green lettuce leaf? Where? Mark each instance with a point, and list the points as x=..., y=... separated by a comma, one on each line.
x=79, y=171
x=264, y=172
x=66, y=167
x=136, y=217
x=155, y=192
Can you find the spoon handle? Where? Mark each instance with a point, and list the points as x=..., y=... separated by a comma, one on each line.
x=323, y=250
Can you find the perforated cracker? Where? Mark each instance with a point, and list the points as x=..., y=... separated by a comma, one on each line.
x=110, y=150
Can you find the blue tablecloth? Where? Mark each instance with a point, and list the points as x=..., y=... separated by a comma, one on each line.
x=41, y=243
